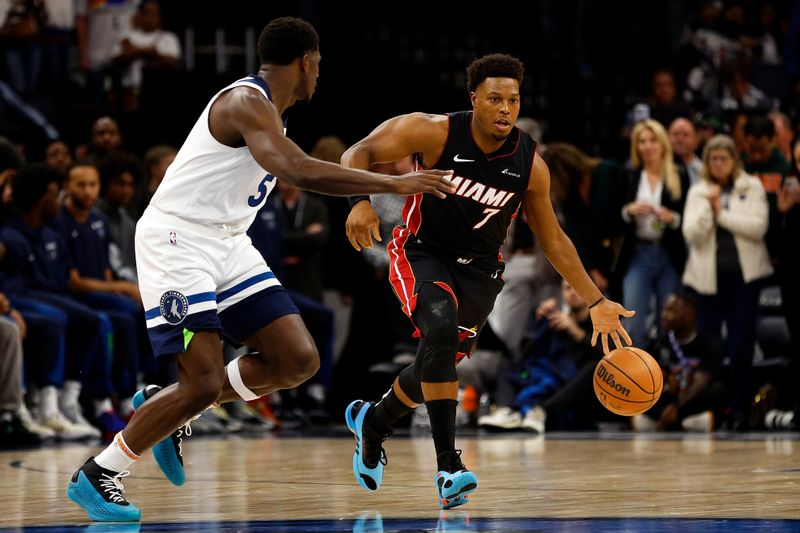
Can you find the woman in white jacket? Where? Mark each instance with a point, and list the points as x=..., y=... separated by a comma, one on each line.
x=724, y=223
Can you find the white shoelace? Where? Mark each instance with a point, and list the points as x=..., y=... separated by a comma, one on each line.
x=185, y=430
x=113, y=486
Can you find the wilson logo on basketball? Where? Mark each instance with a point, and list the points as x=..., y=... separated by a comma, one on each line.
x=608, y=378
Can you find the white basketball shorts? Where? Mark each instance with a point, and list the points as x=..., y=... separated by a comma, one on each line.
x=202, y=278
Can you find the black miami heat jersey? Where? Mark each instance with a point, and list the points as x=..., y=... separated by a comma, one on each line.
x=471, y=224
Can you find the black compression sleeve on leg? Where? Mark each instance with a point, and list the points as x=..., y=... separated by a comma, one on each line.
x=437, y=318
x=442, y=414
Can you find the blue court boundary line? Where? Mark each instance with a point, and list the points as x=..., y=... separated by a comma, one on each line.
x=458, y=520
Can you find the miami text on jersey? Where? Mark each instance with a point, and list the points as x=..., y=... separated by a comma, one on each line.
x=480, y=192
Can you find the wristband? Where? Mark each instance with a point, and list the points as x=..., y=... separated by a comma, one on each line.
x=597, y=302
x=353, y=200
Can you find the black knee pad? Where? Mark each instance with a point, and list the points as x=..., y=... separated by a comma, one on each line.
x=437, y=318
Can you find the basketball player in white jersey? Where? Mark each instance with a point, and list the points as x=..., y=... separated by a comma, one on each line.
x=200, y=276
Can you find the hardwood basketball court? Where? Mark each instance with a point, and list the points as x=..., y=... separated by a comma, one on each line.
x=561, y=482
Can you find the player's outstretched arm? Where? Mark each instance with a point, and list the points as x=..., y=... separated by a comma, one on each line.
x=561, y=253
x=396, y=138
x=258, y=122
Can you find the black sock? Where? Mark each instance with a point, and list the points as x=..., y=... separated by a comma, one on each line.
x=388, y=411
x=442, y=414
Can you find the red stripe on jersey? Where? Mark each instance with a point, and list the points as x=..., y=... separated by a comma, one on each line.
x=412, y=215
x=401, y=276
x=412, y=211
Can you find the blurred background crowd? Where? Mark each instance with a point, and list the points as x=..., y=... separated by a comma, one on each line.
x=671, y=134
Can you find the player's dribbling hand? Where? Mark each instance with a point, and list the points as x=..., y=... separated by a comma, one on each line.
x=362, y=225
x=435, y=182
x=605, y=319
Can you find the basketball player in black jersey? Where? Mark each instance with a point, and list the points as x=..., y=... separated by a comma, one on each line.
x=446, y=268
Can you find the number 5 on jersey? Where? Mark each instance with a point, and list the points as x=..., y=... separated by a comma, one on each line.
x=255, y=200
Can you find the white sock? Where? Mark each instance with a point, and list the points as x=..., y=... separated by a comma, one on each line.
x=48, y=406
x=71, y=392
x=117, y=456
x=102, y=406
x=235, y=377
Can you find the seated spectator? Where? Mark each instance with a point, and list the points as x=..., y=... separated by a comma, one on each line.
x=86, y=231
x=105, y=137
x=119, y=175
x=39, y=259
x=58, y=155
x=693, y=397
x=561, y=345
x=145, y=45
x=99, y=25
x=43, y=331
x=725, y=221
x=44, y=339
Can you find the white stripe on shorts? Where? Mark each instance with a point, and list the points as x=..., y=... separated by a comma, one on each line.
x=193, y=308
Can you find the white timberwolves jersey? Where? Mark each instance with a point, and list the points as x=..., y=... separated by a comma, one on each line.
x=213, y=184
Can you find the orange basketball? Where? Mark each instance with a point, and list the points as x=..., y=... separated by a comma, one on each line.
x=628, y=381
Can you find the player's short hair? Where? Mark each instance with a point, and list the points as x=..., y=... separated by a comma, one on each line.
x=493, y=66
x=285, y=39
x=31, y=183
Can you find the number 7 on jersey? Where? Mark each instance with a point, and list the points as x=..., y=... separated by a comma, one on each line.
x=489, y=212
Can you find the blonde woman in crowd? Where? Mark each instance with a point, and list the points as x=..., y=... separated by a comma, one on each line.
x=725, y=220
x=653, y=253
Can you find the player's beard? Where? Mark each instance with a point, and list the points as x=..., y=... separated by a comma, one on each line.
x=84, y=205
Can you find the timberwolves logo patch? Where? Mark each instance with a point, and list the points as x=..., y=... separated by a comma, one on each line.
x=174, y=307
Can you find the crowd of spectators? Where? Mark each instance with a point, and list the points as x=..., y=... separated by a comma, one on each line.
x=691, y=226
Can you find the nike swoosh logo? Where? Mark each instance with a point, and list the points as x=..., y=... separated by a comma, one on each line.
x=459, y=160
